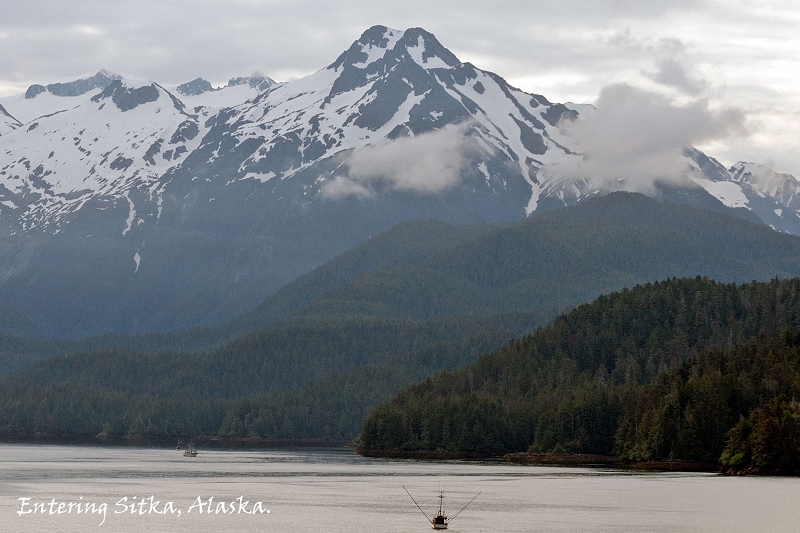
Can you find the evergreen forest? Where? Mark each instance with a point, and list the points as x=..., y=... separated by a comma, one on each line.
x=684, y=369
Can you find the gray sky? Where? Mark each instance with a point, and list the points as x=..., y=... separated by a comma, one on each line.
x=721, y=54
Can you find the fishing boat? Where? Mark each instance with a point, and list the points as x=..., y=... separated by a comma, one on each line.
x=190, y=451
x=440, y=521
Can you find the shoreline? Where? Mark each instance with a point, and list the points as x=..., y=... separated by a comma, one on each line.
x=579, y=460
x=666, y=465
x=210, y=441
x=433, y=455
x=545, y=459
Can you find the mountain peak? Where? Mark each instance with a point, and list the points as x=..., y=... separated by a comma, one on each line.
x=379, y=48
x=379, y=36
x=127, y=94
x=256, y=80
x=195, y=87
x=101, y=80
x=371, y=46
x=781, y=187
x=426, y=49
x=200, y=86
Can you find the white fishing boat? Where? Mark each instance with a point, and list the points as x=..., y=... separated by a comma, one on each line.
x=440, y=520
x=190, y=451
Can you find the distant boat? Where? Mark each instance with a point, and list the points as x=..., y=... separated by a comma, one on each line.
x=190, y=451
x=440, y=521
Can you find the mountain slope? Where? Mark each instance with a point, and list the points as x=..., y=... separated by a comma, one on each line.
x=425, y=269
x=51, y=178
x=39, y=100
x=7, y=122
x=558, y=259
x=331, y=338
x=190, y=206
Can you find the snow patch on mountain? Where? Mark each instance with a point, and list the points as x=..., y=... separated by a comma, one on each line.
x=375, y=49
x=729, y=193
x=263, y=178
x=485, y=171
x=28, y=110
x=418, y=51
x=219, y=99
x=784, y=188
x=124, y=137
x=39, y=100
x=131, y=214
x=199, y=92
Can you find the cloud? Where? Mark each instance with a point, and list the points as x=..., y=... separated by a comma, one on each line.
x=218, y=40
x=675, y=69
x=635, y=139
x=426, y=164
x=674, y=65
x=742, y=52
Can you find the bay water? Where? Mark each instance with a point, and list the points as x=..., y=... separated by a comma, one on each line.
x=131, y=489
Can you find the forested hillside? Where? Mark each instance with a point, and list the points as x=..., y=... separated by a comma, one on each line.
x=408, y=243
x=559, y=259
x=680, y=369
x=426, y=269
x=314, y=380
x=423, y=297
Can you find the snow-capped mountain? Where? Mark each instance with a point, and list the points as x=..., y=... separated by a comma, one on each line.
x=101, y=80
x=388, y=85
x=190, y=204
x=40, y=100
x=88, y=152
x=769, y=193
x=200, y=92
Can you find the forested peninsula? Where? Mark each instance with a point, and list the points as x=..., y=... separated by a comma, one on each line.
x=684, y=369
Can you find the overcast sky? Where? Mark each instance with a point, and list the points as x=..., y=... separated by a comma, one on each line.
x=737, y=54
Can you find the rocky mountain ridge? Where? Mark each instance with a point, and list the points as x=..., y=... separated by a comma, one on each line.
x=187, y=206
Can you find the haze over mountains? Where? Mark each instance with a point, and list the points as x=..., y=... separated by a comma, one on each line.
x=126, y=206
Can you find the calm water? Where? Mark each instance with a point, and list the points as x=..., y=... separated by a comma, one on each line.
x=337, y=491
